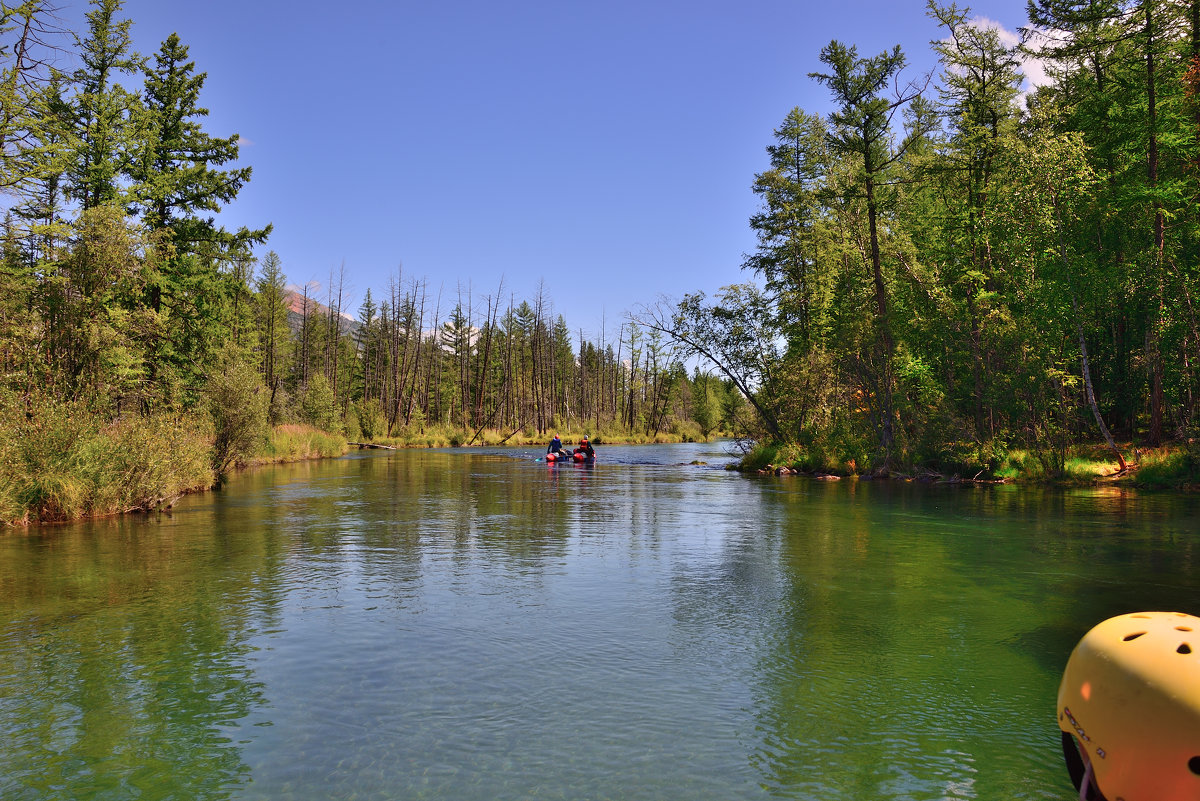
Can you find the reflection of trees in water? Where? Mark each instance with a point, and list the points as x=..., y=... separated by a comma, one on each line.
x=125, y=657
x=888, y=641
x=924, y=631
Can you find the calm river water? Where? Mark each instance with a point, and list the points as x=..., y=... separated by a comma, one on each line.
x=476, y=625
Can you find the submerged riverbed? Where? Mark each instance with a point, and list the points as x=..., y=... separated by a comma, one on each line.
x=474, y=624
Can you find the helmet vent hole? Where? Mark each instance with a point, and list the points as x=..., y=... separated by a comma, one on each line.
x=1194, y=765
x=1184, y=648
x=1129, y=637
x=1183, y=628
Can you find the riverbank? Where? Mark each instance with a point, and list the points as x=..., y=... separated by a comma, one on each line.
x=1172, y=467
x=64, y=464
x=443, y=437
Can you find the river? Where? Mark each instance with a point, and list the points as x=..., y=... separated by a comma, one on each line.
x=474, y=624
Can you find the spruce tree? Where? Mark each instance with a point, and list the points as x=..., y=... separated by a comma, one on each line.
x=176, y=183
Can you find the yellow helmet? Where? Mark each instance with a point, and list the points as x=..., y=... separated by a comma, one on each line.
x=1129, y=708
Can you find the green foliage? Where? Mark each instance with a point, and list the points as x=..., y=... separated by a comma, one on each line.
x=104, y=115
x=759, y=456
x=63, y=460
x=295, y=442
x=1170, y=470
x=707, y=393
x=318, y=406
x=238, y=405
x=371, y=421
x=174, y=180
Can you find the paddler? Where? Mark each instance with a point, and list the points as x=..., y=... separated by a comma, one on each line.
x=586, y=449
x=555, y=447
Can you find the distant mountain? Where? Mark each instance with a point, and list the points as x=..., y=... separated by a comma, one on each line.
x=295, y=313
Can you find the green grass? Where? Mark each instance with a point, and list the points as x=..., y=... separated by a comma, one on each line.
x=1165, y=468
x=1081, y=466
x=64, y=462
x=437, y=436
x=292, y=443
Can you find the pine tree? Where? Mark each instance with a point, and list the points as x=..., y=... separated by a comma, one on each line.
x=786, y=227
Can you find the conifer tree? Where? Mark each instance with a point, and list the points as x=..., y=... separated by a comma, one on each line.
x=786, y=227
x=861, y=130
x=176, y=185
x=105, y=114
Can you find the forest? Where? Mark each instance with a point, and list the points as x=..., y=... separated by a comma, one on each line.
x=954, y=271
x=145, y=348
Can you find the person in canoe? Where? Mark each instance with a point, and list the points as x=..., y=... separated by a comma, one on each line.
x=555, y=448
x=586, y=449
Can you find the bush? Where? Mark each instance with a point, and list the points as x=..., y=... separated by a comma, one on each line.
x=758, y=457
x=278, y=410
x=688, y=431
x=350, y=425
x=318, y=407
x=371, y=421
x=1167, y=469
x=62, y=461
x=294, y=442
x=238, y=405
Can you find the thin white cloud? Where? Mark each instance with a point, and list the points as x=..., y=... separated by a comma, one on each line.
x=1034, y=69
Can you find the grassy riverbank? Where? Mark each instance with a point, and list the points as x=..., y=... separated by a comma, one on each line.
x=445, y=437
x=1173, y=467
x=62, y=461
x=293, y=443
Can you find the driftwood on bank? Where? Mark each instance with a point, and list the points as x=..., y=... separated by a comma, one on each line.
x=373, y=445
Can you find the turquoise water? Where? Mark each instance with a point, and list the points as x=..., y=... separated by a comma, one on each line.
x=474, y=624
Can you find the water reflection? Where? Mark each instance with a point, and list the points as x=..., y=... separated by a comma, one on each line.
x=120, y=666
x=927, y=630
x=478, y=625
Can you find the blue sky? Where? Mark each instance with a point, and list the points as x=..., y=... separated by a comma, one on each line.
x=605, y=149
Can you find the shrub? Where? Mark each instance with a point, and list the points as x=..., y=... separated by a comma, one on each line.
x=62, y=461
x=758, y=457
x=294, y=442
x=238, y=405
x=318, y=406
x=371, y=421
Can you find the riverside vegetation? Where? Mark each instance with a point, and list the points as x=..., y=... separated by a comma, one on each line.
x=955, y=278
x=145, y=351
x=962, y=278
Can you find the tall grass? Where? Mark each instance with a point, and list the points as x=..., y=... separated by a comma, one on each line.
x=293, y=442
x=1164, y=468
x=61, y=461
x=439, y=436
x=1084, y=465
